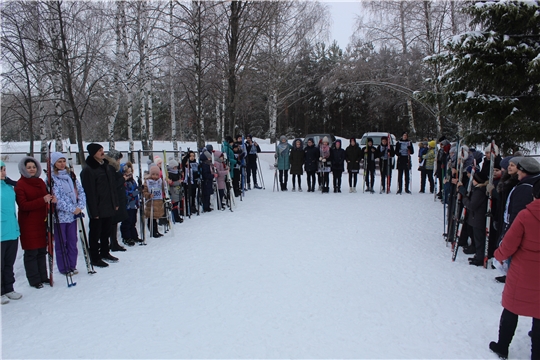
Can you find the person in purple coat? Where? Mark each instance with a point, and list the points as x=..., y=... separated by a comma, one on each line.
x=71, y=200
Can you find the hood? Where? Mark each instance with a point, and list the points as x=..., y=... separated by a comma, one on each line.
x=534, y=208
x=22, y=167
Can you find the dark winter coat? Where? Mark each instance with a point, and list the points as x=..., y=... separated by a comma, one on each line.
x=404, y=149
x=521, y=294
x=296, y=158
x=98, y=181
x=32, y=211
x=519, y=197
x=476, y=204
x=337, y=157
x=353, y=155
x=311, y=159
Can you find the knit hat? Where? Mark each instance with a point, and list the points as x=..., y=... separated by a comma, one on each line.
x=55, y=156
x=93, y=148
x=154, y=170
x=172, y=164
x=529, y=165
x=432, y=144
x=115, y=154
x=480, y=177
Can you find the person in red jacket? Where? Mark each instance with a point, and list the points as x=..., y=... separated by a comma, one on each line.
x=32, y=197
x=521, y=294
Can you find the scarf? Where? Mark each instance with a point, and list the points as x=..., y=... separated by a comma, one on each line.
x=64, y=180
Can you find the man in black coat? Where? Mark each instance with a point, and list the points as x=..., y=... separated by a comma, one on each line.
x=98, y=181
x=404, y=150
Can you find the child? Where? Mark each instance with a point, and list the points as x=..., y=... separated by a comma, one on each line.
x=128, y=227
x=175, y=188
x=153, y=193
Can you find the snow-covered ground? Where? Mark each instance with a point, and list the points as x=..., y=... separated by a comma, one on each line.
x=286, y=275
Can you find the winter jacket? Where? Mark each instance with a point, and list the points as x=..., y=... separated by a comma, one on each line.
x=311, y=158
x=153, y=195
x=404, y=149
x=32, y=208
x=337, y=158
x=282, y=156
x=372, y=154
x=521, y=294
x=429, y=158
x=68, y=200
x=476, y=204
x=229, y=155
x=519, y=197
x=132, y=194
x=9, y=226
x=98, y=181
x=297, y=158
x=252, y=151
x=353, y=155
x=221, y=170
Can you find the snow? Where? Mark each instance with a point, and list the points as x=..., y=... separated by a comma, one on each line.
x=286, y=275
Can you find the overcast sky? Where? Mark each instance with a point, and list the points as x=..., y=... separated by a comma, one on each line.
x=343, y=17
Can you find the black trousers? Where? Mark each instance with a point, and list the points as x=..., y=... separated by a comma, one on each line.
x=507, y=328
x=336, y=176
x=311, y=180
x=98, y=237
x=9, y=254
x=35, y=264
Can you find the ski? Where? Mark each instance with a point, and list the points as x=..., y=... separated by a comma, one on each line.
x=489, y=214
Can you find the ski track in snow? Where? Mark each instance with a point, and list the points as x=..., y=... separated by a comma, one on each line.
x=286, y=275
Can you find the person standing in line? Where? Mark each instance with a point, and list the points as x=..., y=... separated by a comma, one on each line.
x=297, y=158
x=337, y=156
x=283, y=149
x=404, y=150
x=252, y=149
x=353, y=155
x=521, y=294
x=9, y=239
x=428, y=158
x=33, y=198
x=311, y=161
x=71, y=200
x=386, y=155
x=98, y=181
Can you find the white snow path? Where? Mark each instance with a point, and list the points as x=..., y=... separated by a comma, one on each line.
x=286, y=275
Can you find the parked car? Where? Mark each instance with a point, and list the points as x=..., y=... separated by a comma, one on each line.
x=317, y=137
x=376, y=136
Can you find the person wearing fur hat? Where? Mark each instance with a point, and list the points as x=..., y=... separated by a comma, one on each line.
x=9, y=240
x=404, y=150
x=337, y=156
x=98, y=181
x=153, y=195
x=114, y=157
x=369, y=153
x=71, y=200
x=297, y=158
x=283, y=149
x=252, y=149
x=476, y=203
x=128, y=227
x=33, y=198
x=429, y=162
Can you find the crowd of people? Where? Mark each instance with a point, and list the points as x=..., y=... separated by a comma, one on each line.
x=489, y=201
